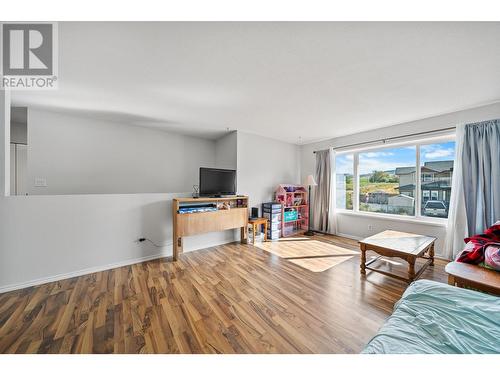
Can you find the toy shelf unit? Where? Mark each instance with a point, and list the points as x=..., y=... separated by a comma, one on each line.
x=295, y=209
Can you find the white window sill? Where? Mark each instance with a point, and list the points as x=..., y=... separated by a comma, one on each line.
x=404, y=219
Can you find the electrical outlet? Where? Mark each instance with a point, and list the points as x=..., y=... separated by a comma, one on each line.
x=40, y=182
x=370, y=227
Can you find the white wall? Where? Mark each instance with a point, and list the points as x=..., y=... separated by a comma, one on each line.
x=226, y=149
x=357, y=226
x=78, y=155
x=263, y=164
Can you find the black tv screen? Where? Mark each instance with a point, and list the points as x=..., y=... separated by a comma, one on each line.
x=215, y=182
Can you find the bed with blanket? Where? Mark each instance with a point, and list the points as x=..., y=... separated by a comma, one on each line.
x=433, y=317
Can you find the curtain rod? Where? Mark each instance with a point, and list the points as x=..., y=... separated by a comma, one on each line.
x=384, y=140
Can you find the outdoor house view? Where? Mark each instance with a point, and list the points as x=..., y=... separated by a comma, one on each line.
x=388, y=179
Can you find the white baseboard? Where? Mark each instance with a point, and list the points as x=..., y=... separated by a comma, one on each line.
x=357, y=238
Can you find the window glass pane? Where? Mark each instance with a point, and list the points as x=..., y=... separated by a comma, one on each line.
x=436, y=163
x=387, y=181
x=344, y=169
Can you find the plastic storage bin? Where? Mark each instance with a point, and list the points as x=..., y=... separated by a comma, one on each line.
x=272, y=212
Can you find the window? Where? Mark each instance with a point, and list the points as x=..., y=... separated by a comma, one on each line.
x=387, y=179
x=426, y=177
x=344, y=168
x=437, y=160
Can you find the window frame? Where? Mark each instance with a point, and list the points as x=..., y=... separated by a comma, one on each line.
x=418, y=143
x=333, y=185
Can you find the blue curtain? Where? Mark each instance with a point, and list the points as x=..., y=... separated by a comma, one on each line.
x=481, y=174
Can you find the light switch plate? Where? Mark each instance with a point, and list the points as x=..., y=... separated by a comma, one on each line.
x=40, y=182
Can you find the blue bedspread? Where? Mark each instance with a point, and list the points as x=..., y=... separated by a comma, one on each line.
x=433, y=317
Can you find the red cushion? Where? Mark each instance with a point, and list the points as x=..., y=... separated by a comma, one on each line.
x=474, y=251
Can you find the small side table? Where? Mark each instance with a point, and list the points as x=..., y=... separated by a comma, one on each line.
x=255, y=222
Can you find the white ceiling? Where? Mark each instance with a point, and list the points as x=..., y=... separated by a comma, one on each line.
x=283, y=80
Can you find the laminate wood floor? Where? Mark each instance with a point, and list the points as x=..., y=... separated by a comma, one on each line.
x=227, y=299
x=309, y=253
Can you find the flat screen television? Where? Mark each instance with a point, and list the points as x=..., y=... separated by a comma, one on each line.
x=216, y=182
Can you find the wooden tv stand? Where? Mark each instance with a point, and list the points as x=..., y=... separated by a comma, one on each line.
x=189, y=224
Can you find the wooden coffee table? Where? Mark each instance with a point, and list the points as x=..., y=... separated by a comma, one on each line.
x=407, y=246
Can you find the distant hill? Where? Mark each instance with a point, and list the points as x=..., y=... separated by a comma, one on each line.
x=391, y=171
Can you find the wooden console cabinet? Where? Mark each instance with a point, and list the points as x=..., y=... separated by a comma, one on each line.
x=189, y=224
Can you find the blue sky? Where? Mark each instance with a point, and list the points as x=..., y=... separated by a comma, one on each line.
x=391, y=158
x=439, y=151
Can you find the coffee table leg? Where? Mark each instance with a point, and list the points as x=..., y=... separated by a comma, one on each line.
x=411, y=269
x=363, y=259
x=431, y=254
